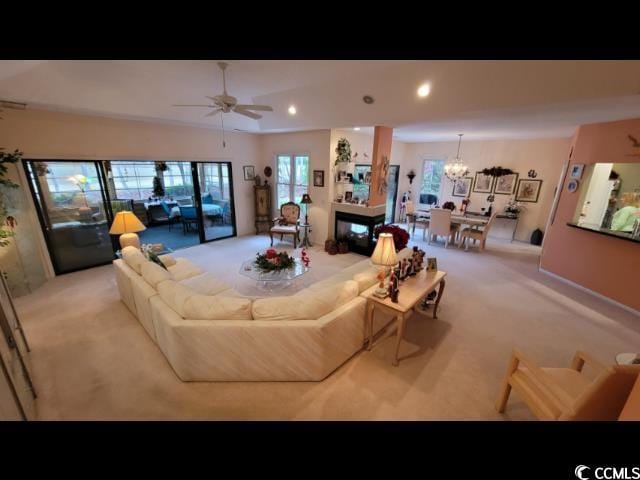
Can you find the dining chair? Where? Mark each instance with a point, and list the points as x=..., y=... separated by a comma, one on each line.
x=567, y=393
x=171, y=219
x=476, y=234
x=440, y=225
x=189, y=216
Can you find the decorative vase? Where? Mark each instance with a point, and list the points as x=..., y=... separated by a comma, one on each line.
x=328, y=244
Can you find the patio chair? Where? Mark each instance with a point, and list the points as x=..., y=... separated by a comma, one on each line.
x=189, y=217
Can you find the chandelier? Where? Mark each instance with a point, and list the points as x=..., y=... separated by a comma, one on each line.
x=456, y=170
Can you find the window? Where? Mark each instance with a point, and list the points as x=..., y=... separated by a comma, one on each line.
x=293, y=178
x=432, y=172
x=133, y=180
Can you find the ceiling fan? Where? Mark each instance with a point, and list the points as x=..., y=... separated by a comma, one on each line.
x=225, y=103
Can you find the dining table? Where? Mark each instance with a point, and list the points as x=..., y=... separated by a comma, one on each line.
x=474, y=220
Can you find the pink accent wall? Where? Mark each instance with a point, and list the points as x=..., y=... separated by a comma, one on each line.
x=606, y=265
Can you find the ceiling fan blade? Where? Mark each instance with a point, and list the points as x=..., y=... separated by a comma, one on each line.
x=264, y=108
x=208, y=106
x=247, y=113
x=211, y=114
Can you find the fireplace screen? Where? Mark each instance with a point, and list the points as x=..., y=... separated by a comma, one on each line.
x=354, y=233
x=357, y=230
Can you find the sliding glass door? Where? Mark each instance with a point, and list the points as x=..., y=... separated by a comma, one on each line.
x=215, y=182
x=71, y=202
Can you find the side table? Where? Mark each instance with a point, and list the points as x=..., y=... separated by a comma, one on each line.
x=412, y=292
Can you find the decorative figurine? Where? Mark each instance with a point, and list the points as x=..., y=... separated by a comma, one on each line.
x=394, y=288
x=403, y=269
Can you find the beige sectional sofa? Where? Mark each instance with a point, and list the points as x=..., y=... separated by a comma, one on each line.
x=209, y=332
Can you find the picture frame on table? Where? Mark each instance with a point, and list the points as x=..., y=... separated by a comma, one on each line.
x=348, y=196
x=576, y=171
x=462, y=187
x=482, y=183
x=506, y=184
x=432, y=265
x=318, y=178
x=528, y=190
x=249, y=172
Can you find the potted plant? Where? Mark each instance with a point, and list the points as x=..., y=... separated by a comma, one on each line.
x=5, y=219
x=158, y=189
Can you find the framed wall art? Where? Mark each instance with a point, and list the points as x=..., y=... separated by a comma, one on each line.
x=249, y=172
x=576, y=171
x=462, y=187
x=483, y=183
x=506, y=184
x=318, y=178
x=528, y=190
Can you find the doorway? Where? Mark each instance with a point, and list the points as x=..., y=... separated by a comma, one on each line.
x=181, y=204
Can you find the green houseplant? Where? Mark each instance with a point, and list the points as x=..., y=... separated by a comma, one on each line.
x=5, y=220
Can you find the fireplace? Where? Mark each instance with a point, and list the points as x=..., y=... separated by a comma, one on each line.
x=357, y=230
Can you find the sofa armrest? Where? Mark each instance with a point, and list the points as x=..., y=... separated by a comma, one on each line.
x=167, y=260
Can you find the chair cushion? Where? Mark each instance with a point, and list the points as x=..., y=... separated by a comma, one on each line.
x=134, y=258
x=153, y=274
x=309, y=304
x=206, y=284
x=285, y=229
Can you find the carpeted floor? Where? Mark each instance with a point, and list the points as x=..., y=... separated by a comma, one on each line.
x=91, y=359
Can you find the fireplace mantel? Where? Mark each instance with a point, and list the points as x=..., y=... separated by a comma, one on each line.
x=359, y=209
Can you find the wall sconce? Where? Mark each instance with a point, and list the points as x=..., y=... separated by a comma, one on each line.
x=411, y=176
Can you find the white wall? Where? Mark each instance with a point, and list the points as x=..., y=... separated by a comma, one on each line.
x=545, y=156
x=316, y=145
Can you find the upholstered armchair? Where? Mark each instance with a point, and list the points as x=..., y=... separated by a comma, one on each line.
x=287, y=223
x=567, y=393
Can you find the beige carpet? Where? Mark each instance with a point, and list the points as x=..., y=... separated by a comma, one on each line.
x=92, y=360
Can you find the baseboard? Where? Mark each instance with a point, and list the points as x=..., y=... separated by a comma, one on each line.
x=591, y=292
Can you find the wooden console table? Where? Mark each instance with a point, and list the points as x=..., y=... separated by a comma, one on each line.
x=412, y=292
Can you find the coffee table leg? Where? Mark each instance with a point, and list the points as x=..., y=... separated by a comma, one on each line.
x=440, y=291
x=400, y=330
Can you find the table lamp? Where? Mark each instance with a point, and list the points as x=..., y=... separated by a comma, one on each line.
x=385, y=256
x=126, y=224
x=306, y=200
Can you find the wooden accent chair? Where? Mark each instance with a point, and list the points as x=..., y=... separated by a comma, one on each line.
x=566, y=393
x=288, y=223
x=440, y=225
x=475, y=234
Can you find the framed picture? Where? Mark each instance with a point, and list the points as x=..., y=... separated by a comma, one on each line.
x=576, y=170
x=483, y=183
x=367, y=178
x=528, y=190
x=318, y=178
x=506, y=184
x=348, y=196
x=462, y=187
x=249, y=172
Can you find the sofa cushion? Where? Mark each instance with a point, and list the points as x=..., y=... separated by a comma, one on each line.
x=153, y=274
x=309, y=304
x=205, y=284
x=134, y=258
x=217, y=307
x=175, y=295
x=167, y=259
x=184, y=269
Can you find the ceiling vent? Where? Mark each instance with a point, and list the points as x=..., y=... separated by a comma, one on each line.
x=368, y=99
x=14, y=105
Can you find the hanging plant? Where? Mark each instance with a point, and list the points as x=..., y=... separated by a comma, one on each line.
x=158, y=189
x=497, y=171
x=162, y=166
x=343, y=151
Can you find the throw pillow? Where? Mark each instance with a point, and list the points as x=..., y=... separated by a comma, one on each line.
x=153, y=257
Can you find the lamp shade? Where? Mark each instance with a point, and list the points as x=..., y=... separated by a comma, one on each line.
x=385, y=251
x=126, y=222
x=306, y=198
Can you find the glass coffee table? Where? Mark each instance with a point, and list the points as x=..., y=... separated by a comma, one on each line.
x=274, y=280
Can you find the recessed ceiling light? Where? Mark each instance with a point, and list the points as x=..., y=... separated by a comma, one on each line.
x=292, y=110
x=357, y=129
x=424, y=90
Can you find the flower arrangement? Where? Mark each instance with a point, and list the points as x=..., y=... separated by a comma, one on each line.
x=400, y=235
x=514, y=207
x=80, y=181
x=272, y=261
